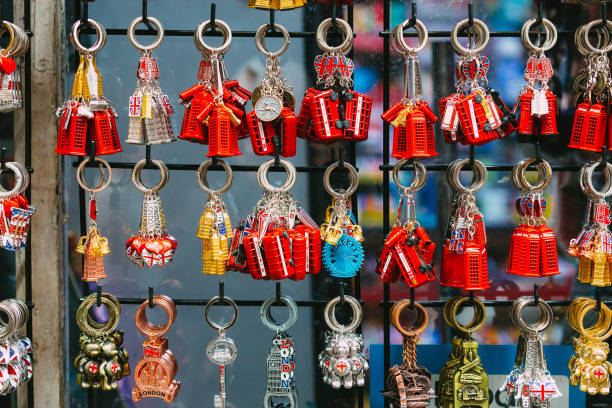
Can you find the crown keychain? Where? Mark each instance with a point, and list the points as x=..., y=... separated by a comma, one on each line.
x=10, y=72
x=15, y=210
x=149, y=108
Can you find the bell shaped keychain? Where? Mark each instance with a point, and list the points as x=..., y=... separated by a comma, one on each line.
x=332, y=110
x=464, y=257
x=538, y=105
x=10, y=72
x=412, y=118
x=149, y=107
x=533, y=246
x=93, y=245
x=342, y=362
x=15, y=350
x=342, y=252
x=152, y=245
x=15, y=210
x=87, y=114
x=214, y=229
x=276, y=4
x=272, y=116
x=409, y=385
x=408, y=251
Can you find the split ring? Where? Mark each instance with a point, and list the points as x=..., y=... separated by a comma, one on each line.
x=21, y=180
x=101, y=329
x=544, y=321
x=225, y=31
x=266, y=315
x=585, y=37
x=131, y=32
x=482, y=33
x=145, y=327
x=262, y=176
x=353, y=181
x=345, y=29
x=137, y=181
x=480, y=314
x=104, y=182
x=398, y=35
x=217, y=300
x=588, y=180
x=551, y=35
x=100, y=33
x=330, y=314
x=420, y=176
x=260, y=43
x=419, y=326
x=478, y=169
x=519, y=177
x=203, y=182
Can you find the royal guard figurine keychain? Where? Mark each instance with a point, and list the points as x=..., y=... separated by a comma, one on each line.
x=149, y=108
x=408, y=251
x=87, y=115
x=214, y=229
x=342, y=253
x=593, y=246
x=474, y=114
x=152, y=245
x=214, y=107
x=332, y=111
x=464, y=258
x=15, y=350
x=10, y=72
x=538, y=106
x=533, y=246
x=93, y=245
x=592, y=87
x=15, y=210
x=273, y=103
x=412, y=118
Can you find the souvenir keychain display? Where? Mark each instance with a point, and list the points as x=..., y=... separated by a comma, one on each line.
x=592, y=86
x=343, y=363
x=214, y=107
x=152, y=245
x=101, y=361
x=15, y=350
x=589, y=366
x=464, y=257
x=412, y=118
x=155, y=373
x=533, y=246
x=408, y=251
x=87, y=114
x=221, y=351
x=93, y=245
x=214, y=229
x=15, y=210
x=279, y=239
x=272, y=118
x=277, y=4
x=463, y=380
x=529, y=383
x=280, y=362
x=10, y=72
x=149, y=108
x=342, y=252
x=409, y=385
x=474, y=114
x=538, y=105
x=332, y=111
x=593, y=246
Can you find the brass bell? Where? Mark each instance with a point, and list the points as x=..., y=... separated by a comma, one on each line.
x=80, y=248
x=104, y=248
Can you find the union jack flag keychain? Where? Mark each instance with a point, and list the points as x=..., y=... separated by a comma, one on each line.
x=15, y=210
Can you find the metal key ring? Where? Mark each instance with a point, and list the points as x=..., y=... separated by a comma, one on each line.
x=100, y=33
x=90, y=319
x=9, y=326
x=519, y=175
x=353, y=181
x=22, y=44
x=448, y=307
x=20, y=180
x=20, y=171
x=479, y=179
x=131, y=33
x=419, y=326
x=587, y=42
x=420, y=176
x=422, y=33
x=481, y=30
x=137, y=180
x=217, y=300
x=104, y=328
x=584, y=185
x=602, y=34
x=7, y=27
x=104, y=182
x=266, y=314
x=549, y=29
x=479, y=310
x=21, y=311
x=345, y=29
x=544, y=320
x=203, y=182
x=588, y=178
x=260, y=42
x=330, y=314
x=602, y=334
x=147, y=328
x=225, y=31
x=575, y=309
x=262, y=176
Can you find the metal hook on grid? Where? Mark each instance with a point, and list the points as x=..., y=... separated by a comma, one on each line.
x=98, y=295
x=536, y=294
x=221, y=291
x=151, y=304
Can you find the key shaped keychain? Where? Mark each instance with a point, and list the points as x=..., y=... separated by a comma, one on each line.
x=15, y=210
x=272, y=116
x=87, y=114
x=533, y=246
x=412, y=118
x=408, y=251
x=342, y=252
x=538, y=106
x=529, y=383
x=152, y=245
x=221, y=351
x=281, y=359
x=214, y=229
x=409, y=385
x=342, y=362
x=15, y=350
x=149, y=107
x=10, y=73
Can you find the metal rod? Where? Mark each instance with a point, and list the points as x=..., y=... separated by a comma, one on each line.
x=489, y=303
x=492, y=167
x=203, y=302
x=193, y=167
x=446, y=34
x=189, y=33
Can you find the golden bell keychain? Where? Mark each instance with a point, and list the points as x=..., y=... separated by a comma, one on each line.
x=214, y=229
x=93, y=246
